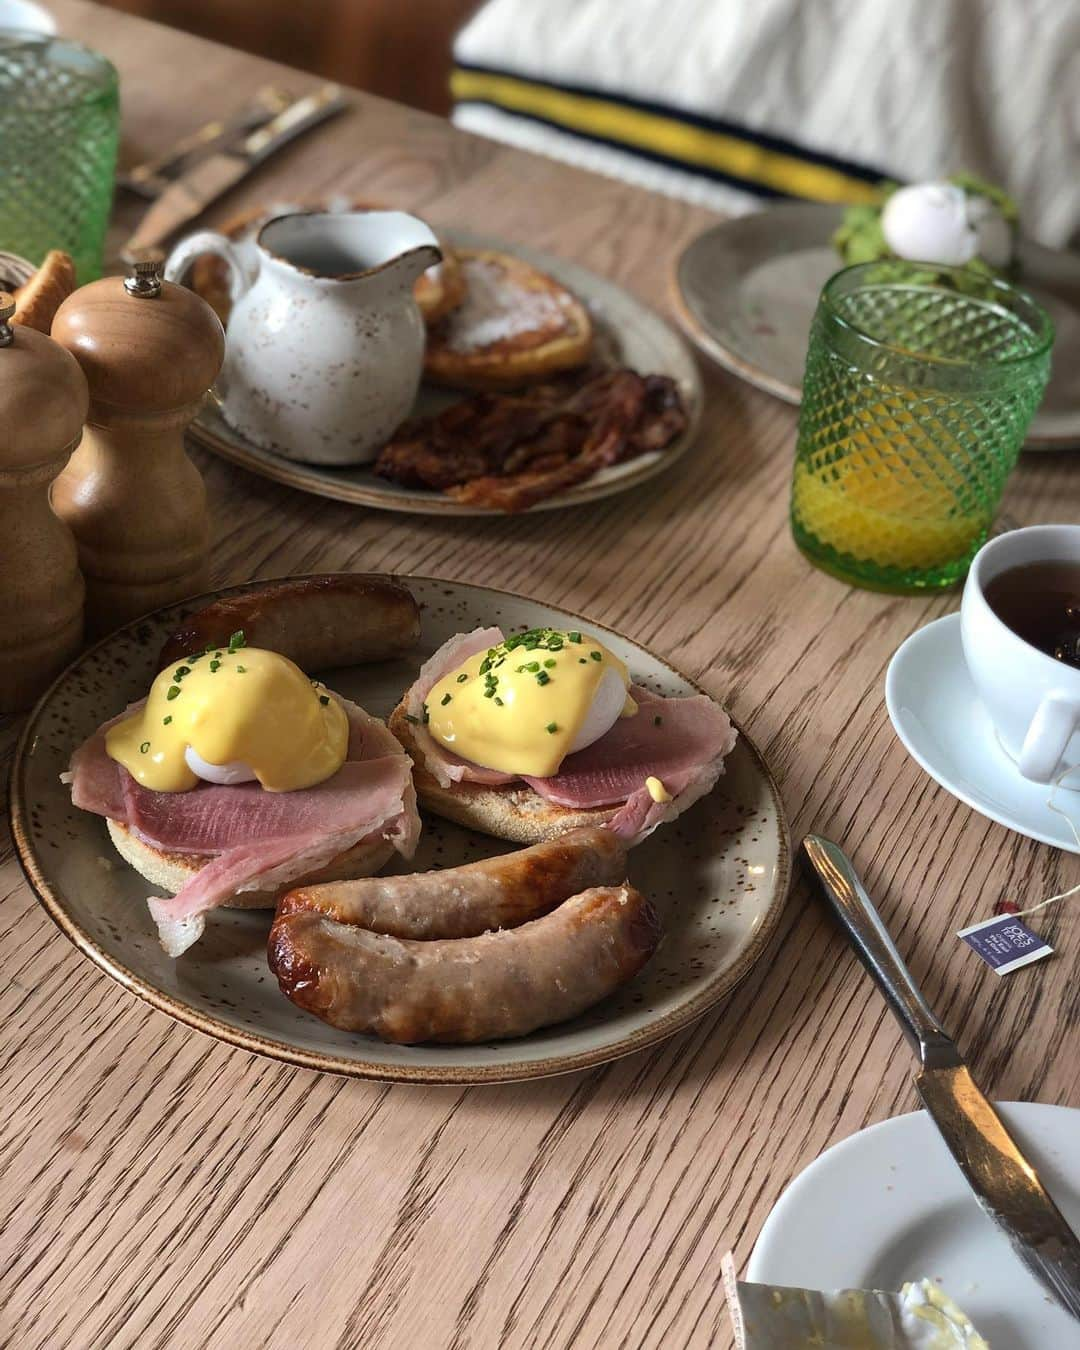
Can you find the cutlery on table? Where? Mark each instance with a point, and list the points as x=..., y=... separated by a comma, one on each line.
x=151, y=177
x=1005, y=1184
x=208, y=178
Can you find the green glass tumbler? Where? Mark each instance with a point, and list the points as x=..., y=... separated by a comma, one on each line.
x=918, y=393
x=59, y=129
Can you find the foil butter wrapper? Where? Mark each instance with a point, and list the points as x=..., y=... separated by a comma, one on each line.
x=920, y=1317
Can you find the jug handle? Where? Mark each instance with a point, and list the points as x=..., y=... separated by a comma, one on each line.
x=179, y=261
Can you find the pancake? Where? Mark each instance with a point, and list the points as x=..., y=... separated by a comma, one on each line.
x=517, y=326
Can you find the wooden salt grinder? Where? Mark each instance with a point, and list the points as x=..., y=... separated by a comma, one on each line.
x=136, y=503
x=43, y=403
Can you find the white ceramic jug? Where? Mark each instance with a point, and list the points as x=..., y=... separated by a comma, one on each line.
x=325, y=344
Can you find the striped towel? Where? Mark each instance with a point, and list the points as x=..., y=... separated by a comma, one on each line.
x=728, y=102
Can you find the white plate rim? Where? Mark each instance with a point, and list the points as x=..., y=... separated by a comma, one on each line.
x=1031, y=1121
x=926, y=634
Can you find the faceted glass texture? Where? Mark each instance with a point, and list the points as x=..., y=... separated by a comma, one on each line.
x=916, y=400
x=59, y=127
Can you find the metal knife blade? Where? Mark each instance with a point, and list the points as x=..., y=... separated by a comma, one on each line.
x=1004, y=1182
x=207, y=180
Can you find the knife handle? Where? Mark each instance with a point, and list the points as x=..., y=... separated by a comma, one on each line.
x=855, y=912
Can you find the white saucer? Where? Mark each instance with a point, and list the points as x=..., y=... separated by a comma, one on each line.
x=889, y=1205
x=938, y=716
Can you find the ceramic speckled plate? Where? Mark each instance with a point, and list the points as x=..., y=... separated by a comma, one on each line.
x=629, y=333
x=746, y=292
x=718, y=875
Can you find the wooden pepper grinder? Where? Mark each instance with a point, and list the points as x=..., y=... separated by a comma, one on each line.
x=43, y=402
x=135, y=502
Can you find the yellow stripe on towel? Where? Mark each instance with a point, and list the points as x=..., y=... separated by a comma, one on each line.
x=667, y=136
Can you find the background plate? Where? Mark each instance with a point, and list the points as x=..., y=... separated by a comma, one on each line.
x=718, y=875
x=747, y=290
x=629, y=333
x=889, y=1205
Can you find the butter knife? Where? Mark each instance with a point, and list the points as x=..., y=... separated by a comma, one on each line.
x=153, y=176
x=1005, y=1184
x=205, y=181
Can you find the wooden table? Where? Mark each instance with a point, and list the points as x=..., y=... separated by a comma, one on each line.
x=160, y=1189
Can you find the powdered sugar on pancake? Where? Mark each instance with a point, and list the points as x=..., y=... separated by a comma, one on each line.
x=496, y=308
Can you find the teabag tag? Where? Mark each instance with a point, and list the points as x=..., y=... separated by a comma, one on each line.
x=1005, y=943
x=777, y=1317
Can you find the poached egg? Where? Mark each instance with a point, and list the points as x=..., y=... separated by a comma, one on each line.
x=232, y=715
x=941, y=223
x=521, y=707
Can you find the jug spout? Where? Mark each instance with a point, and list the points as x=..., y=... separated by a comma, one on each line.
x=406, y=246
x=349, y=246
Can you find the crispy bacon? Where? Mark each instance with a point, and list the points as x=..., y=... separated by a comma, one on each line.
x=510, y=451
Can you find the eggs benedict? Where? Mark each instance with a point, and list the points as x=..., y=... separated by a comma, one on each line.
x=238, y=777
x=529, y=735
x=234, y=715
x=526, y=703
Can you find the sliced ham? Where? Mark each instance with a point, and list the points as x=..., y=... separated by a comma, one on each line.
x=681, y=741
x=260, y=839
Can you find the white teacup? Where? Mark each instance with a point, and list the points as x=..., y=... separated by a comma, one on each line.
x=1033, y=700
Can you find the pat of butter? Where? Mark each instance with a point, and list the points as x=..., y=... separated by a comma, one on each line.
x=657, y=791
x=920, y=1317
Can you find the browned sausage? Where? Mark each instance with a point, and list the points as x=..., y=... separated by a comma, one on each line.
x=462, y=902
x=470, y=989
x=340, y=619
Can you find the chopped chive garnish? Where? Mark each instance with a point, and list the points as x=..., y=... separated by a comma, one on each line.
x=181, y=671
x=166, y=720
x=498, y=701
x=445, y=700
x=551, y=728
x=237, y=640
x=581, y=661
x=173, y=692
x=533, y=667
x=410, y=718
x=462, y=678
x=543, y=678
x=324, y=699
x=574, y=637
x=241, y=670
x=214, y=666
x=427, y=715
x=549, y=663
x=596, y=656
x=489, y=693
x=144, y=747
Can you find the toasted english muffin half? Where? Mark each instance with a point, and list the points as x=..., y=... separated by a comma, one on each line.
x=516, y=326
x=437, y=291
x=37, y=301
x=172, y=871
x=514, y=812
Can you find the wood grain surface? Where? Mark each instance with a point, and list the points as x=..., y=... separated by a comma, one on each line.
x=160, y=1189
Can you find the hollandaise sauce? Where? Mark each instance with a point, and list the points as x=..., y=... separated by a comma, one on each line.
x=233, y=706
x=521, y=707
